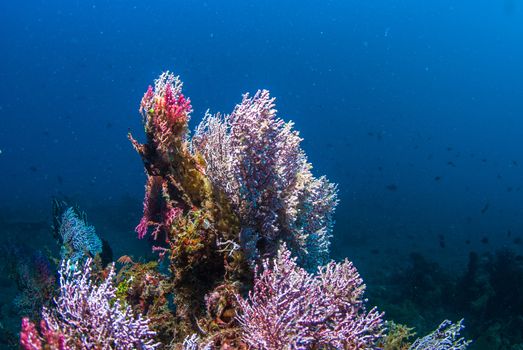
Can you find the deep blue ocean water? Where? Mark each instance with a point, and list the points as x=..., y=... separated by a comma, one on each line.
x=413, y=107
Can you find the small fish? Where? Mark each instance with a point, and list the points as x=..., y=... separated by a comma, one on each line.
x=33, y=168
x=437, y=178
x=484, y=240
x=517, y=240
x=467, y=241
x=392, y=187
x=451, y=163
x=441, y=239
x=485, y=208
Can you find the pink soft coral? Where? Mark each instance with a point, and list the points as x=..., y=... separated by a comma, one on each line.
x=289, y=308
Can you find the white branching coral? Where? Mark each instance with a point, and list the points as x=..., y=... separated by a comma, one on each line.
x=445, y=337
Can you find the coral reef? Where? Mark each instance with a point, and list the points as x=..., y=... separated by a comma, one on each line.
x=241, y=229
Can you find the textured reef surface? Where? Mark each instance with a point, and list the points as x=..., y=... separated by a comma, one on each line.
x=241, y=230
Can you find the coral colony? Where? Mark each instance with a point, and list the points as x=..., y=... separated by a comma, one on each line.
x=244, y=228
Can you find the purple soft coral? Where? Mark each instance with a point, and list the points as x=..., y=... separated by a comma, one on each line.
x=88, y=316
x=289, y=308
x=256, y=159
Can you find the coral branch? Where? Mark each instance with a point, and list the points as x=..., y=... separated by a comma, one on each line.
x=445, y=337
x=289, y=308
x=88, y=316
x=256, y=159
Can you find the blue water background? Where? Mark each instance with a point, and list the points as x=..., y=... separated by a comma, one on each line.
x=414, y=107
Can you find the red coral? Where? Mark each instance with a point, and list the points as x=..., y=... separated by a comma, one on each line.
x=54, y=340
x=150, y=205
x=29, y=338
x=177, y=108
x=147, y=99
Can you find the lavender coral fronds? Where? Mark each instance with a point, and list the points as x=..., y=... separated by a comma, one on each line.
x=290, y=308
x=445, y=337
x=90, y=317
x=256, y=159
x=312, y=218
x=77, y=237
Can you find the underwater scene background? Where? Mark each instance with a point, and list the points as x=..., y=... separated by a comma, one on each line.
x=413, y=108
